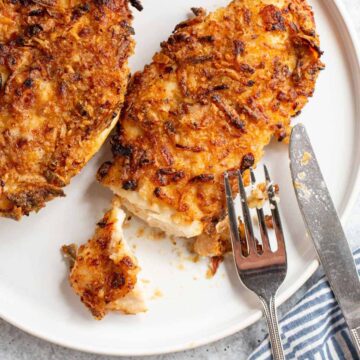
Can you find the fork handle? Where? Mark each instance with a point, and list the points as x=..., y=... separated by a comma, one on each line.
x=273, y=325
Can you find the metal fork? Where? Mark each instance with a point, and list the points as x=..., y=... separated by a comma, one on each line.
x=259, y=268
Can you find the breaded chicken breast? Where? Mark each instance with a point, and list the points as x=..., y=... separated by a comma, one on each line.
x=104, y=270
x=221, y=87
x=63, y=75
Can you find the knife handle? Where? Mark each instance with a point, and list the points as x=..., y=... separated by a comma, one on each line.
x=355, y=334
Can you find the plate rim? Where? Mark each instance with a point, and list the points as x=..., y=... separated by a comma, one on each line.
x=349, y=26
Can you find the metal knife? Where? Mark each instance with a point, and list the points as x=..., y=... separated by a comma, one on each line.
x=325, y=229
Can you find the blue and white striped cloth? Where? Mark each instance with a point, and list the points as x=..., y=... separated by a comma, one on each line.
x=315, y=328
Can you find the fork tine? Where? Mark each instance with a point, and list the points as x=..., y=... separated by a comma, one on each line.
x=234, y=231
x=249, y=231
x=261, y=218
x=274, y=211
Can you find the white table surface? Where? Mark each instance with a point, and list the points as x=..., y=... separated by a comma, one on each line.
x=17, y=345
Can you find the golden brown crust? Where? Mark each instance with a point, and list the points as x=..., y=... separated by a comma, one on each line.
x=213, y=97
x=63, y=72
x=103, y=271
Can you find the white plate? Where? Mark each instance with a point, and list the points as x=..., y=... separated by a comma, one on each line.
x=193, y=310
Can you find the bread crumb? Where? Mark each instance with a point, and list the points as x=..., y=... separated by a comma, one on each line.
x=302, y=175
x=194, y=258
x=127, y=222
x=258, y=196
x=213, y=266
x=179, y=253
x=297, y=185
x=269, y=221
x=157, y=294
x=209, y=274
x=173, y=239
x=156, y=234
x=305, y=192
x=223, y=226
x=140, y=232
x=306, y=158
x=126, y=225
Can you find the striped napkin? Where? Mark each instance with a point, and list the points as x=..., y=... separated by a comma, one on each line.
x=315, y=328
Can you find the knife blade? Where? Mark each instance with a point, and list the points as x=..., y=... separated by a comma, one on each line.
x=325, y=229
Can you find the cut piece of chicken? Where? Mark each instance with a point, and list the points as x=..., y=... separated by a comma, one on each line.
x=104, y=270
x=220, y=88
x=63, y=75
